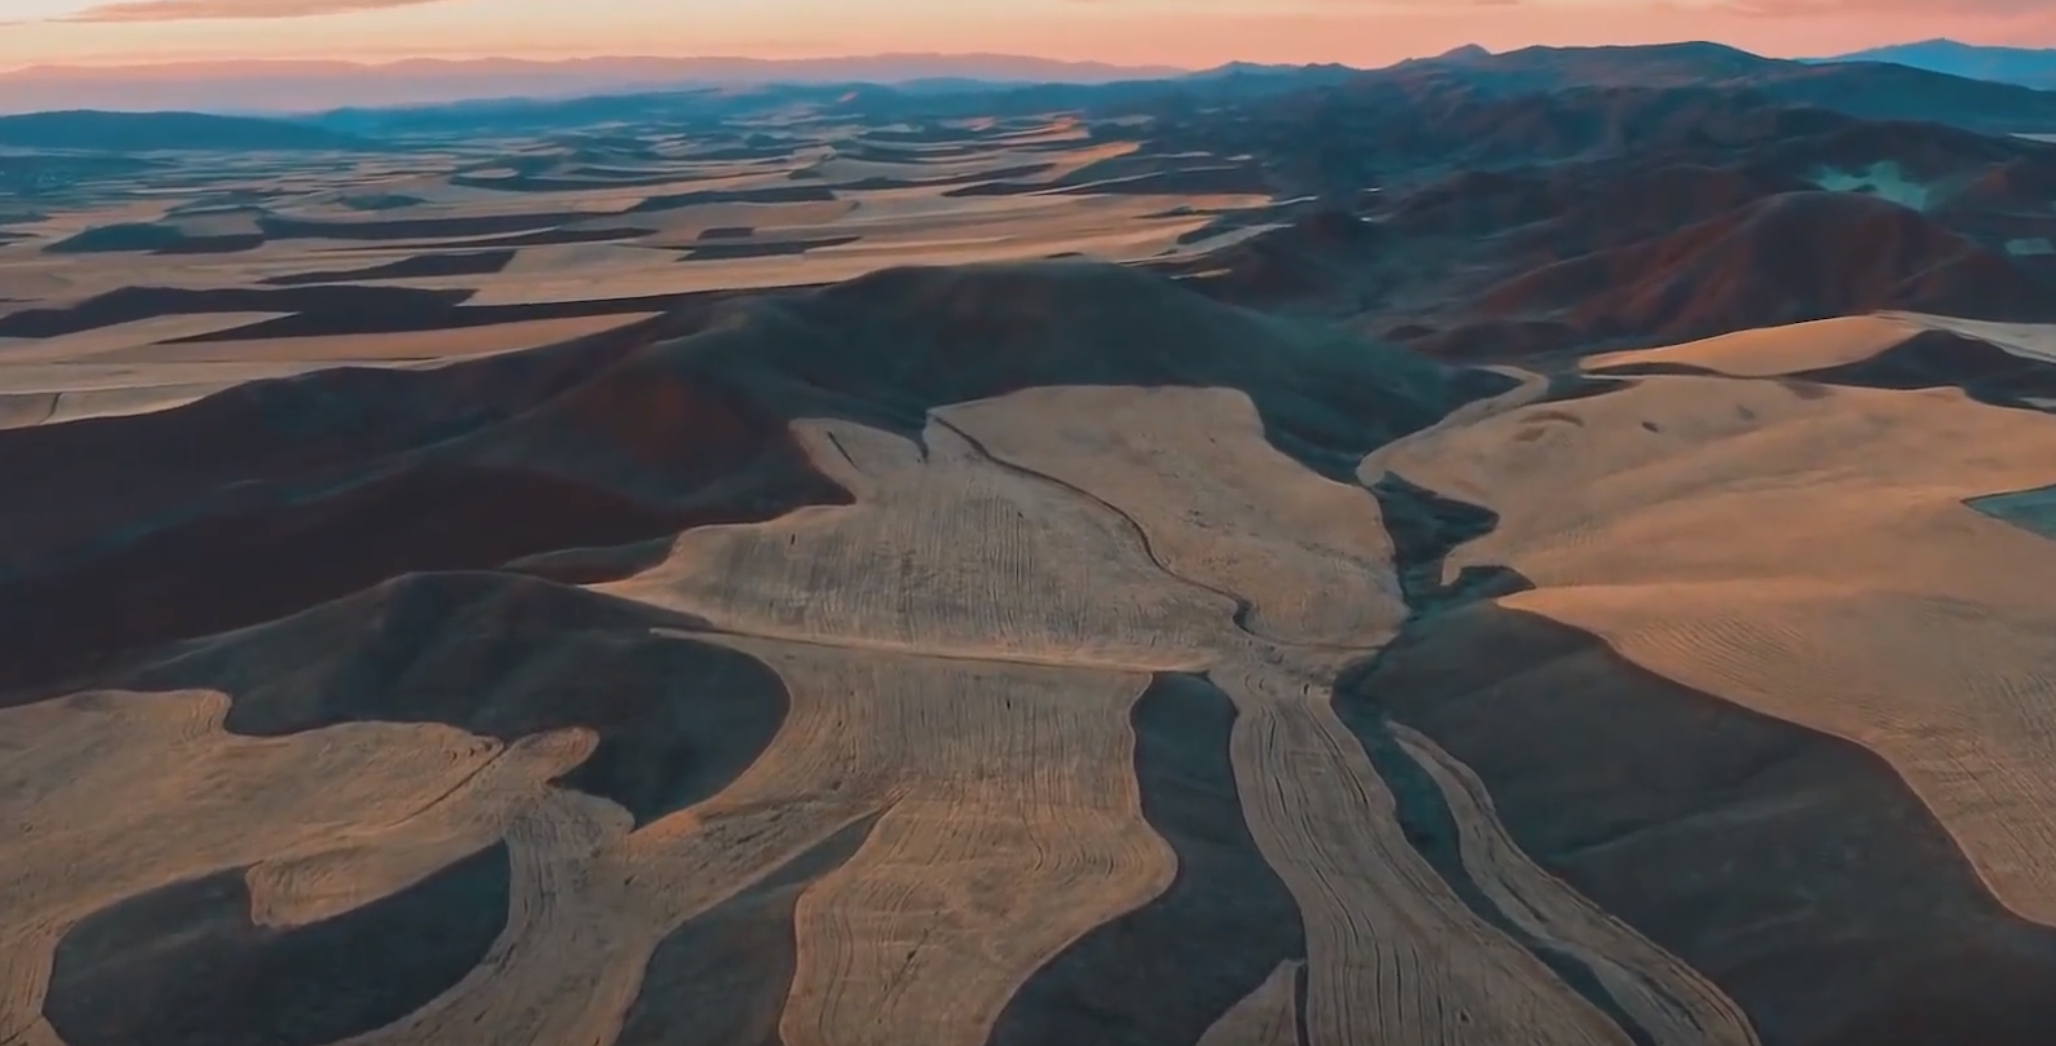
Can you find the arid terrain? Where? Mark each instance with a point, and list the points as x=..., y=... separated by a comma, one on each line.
x=1547, y=548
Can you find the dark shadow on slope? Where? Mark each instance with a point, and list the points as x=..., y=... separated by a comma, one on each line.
x=151, y=238
x=129, y=304
x=703, y=197
x=1796, y=870
x=1576, y=385
x=877, y=182
x=1655, y=368
x=1932, y=358
x=471, y=263
x=721, y=979
x=733, y=250
x=417, y=228
x=1425, y=528
x=184, y=965
x=1329, y=259
x=886, y=348
x=2032, y=510
x=503, y=656
x=455, y=315
x=1778, y=260
x=1162, y=974
x=228, y=570
x=593, y=565
x=105, y=476
x=277, y=496
x=558, y=237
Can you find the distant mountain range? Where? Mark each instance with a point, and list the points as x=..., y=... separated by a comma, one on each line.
x=280, y=87
x=2028, y=67
x=1872, y=90
x=148, y=132
x=928, y=87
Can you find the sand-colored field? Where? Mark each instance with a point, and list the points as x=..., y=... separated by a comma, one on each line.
x=1774, y=351
x=784, y=692
x=1010, y=827
x=1821, y=344
x=129, y=369
x=100, y=341
x=1114, y=228
x=1217, y=503
x=580, y=238
x=1808, y=554
x=403, y=346
x=1223, y=509
x=1011, y=567
x=323, y=820
x=952, y=800
x=1323, y=825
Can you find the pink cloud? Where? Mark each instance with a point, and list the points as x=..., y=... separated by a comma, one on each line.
x=188, y=10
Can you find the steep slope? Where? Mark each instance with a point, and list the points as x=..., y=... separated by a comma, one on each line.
x=887, y=347
x=1779, y=571
x=1787, y=258
x=1868, y=90
x=609, y=440
x=193, y=520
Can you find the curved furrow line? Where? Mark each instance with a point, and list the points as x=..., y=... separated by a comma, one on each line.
x=1163, y=973
x=1430, y=823
x=1671, y=1003
x=111, y=767
x=185, y=964
x=1014, y=828
x=1240, y=617
x=566, y=963
x=1148, y=477
x=1426, y=528
x=1393, y=954
x=951, y=554
x=721, y=978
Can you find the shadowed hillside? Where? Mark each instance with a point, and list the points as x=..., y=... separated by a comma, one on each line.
x=1548, y=548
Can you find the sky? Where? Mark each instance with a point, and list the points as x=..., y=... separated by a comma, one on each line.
x=1191, y=33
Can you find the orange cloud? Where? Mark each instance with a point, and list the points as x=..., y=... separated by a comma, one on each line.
x=189, y=10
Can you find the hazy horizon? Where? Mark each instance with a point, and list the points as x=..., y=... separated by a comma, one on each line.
x=286, y=85
x=1188, y=34
x=284, y=56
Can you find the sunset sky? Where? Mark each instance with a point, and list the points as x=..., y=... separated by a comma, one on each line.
x=1180, y=32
